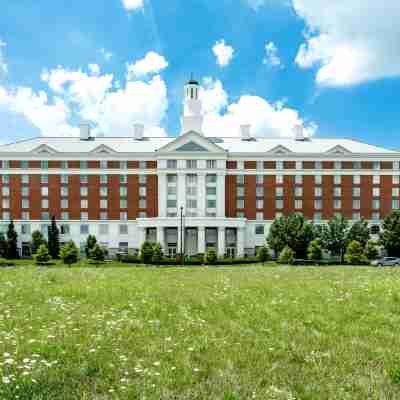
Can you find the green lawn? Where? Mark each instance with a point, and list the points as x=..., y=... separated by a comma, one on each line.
x=200, y=333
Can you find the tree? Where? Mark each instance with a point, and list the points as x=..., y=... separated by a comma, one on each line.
x=146, y=253
x=390, y=236
x=211, y=256
x=97, y=253
x=355, y=254
x=3, y=245
x=359, y=232
x=287, y=256
x=42, y=255
x=157, y=254
x=263, y=254
x=37, y=240
x=12, y=242
x=315, y=250
x=54, y=239
x=293, y=231
x=335, y=236
x=69, y=253
x=91, y=241
x=371, y=252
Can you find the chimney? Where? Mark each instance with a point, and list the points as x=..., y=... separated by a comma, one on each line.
x=245, y=131
x=84, y=128
x=138, y=131
x=299, y=133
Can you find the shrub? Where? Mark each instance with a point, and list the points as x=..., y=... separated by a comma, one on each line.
x=371, y=251
x=69, y=253
x=129, y=259
x=263, y=254
x=355, y=254
x=315, y=250
x=97, y=254
x=211, y=256
x=42, y=256
x=91, y=241
x=37, y=240
x=287, y=256
x=12, y=242
x=146, y=253
x=157, y=254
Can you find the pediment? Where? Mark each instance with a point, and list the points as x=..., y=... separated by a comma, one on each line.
x=338, y=150
x=191, y=142
x=103, y=149
x=279, y=150
x=44, y=149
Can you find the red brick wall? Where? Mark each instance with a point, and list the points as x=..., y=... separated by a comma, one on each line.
x=230, y=196
x=94, y=196
x=250, y=196
x=54, y=196
x=152, y=196
x=15, y=196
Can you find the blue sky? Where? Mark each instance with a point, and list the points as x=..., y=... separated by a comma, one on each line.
x=294, y=62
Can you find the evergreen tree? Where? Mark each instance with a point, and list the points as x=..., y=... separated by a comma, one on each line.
x=211, y=256
x=42, y=255
x=97, y=254
x=3, y=245
x=12, y=242
x=287, y=256
x=390, y=236
x=157, y=254
x=69, y=253
x=315, y=250
x=359, y=232
x=355, y=254
x=91, y=241
x=371, y=252
x=146, y=253
x=263, y=254
x=37, y=240
x=54, y=239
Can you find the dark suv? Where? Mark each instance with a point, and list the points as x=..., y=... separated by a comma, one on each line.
x=386, y=262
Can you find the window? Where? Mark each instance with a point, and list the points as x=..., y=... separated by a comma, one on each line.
x=396, y=164
x=123, y=229
x=376, y=216
x=64, y=179
x=191, y=179
x=395, y=204
x=84, y=191
x=123, y=191
x=239, y=203
x=375, y=204
x=45, y=216
x=191, y=203
x=259, y=191
x=5, y=190
x=211, y=164
x=318, y=204
x=6, y=215
x=299, y=165
x=240, y=191
x=356, y=164
x=142, y=203
x=6, y=203
x=64, y=164
x=318, y=179
x=298, y=204
x=356, y=204
x=142, y=191
x=259, y=203
x=65, y=215
x=337, y=191
x=123, y=203
x=395, y=192
x=298, y=179
x=278, y=215
x=376, y=179
x=103, y=191
x=142, y=179
x=25, y=229
x=338, y=165
x=376, y=165
x=259, y=216
x=84, y=229
x=44, y=164
x=259, y=179
x=337, y=179
x=84, y=203
x=45, y=203
x=171, y=190
x=298, y=191
x=260, y=165
x=318, y=165
x=64, y=191
x=317, y=216
x=24, y=164
x=44, y=228
x=25, y=203
x=171, y=203
x=211, y=214
x=279, y=165
x=259, y=230
x=25, y=179
x=396, y=179
x=82, y=164
x=376, y=192
x=123, y=216
x=356, y=179
x=103, y=179
x=123, y=164
x=44, y=190
x=356, y=216
x=103, y=215
x=356, y=192
x=191, y=164
x=240, y=214
x=279, y=179
x=25, y=216
x=172, y=179
x=211, y=178
x=44, y=179
x=142, y=164
x=279, y=191
x=103, y=164
x=172, y=164
x=192, y=190
x=83, y=178
x=64, y=229
x=337, y=204
x=25, y=191
x=103, y=203
x=103, y=229
x=279, y=204
x=211, y=191
x=142, y=214
x=123, y=179
x=6, y=179
x=318, y=192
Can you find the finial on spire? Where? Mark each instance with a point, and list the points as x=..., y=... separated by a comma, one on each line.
x=192, y=81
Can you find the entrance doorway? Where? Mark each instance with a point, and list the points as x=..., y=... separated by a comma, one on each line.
x=191, y=241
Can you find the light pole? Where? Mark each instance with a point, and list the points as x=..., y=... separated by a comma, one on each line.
x=182, y=233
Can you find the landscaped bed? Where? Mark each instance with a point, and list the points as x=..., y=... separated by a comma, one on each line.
x=263, y=332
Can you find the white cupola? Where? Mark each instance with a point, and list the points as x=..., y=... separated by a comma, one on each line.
x=192, y=118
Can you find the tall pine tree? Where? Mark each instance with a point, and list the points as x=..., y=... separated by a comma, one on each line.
x=54, y=240
x=12, y=242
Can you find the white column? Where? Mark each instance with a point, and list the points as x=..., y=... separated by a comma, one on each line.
x=240, y=242
x=162, y=194
x=201, y=198
x=181, y=194
x=141, y=236
x=160, y=236
x=221, y=242
x=201, y=240
x=221, y=195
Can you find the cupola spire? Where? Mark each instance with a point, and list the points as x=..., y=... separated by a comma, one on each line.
x=192, y=118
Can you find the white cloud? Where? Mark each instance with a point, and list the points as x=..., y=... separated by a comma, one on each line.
x=152, y=63
x=3, y=64
x=350, y=41
x=106, y=54
x=133, y=5
x=94, y=69
x=223, y=52
x=271, y=56
x=267, y=119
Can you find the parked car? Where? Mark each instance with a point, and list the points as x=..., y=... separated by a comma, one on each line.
x=386, y=262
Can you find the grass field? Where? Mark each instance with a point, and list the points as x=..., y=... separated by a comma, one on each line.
x=200, y=333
